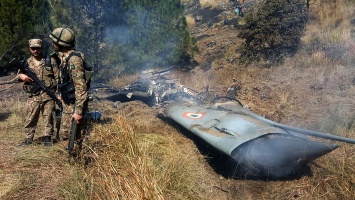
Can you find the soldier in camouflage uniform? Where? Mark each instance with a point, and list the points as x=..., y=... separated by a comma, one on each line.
x=71, y=72
x=39, y=102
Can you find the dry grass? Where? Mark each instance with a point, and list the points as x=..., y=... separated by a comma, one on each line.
x=26, y=169
x=121, y=171
x=212, y=3
x=124, y=80
x=133, y=165
x=129, y=160
x=190, y=20
x=134, y=160
x=314, y=89
x=330, y=24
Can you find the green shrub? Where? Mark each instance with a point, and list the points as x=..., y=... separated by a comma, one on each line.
x=273, y=30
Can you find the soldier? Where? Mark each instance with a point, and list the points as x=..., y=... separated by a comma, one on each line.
x=71, y=83
x=38, y=101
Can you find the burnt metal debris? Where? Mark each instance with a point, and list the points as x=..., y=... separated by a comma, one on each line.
x=260, y=147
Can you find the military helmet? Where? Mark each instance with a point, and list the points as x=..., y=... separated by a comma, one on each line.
x=63, y=37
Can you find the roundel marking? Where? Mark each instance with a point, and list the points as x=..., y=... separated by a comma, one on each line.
x=193, y=115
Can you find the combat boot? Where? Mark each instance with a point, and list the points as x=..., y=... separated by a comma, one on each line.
x=26, y=142
x=47, y=141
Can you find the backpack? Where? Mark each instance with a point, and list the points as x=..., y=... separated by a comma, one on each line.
x=66, y=87
x=87, y=68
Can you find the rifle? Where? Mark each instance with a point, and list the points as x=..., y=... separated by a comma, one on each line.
x=39, y=84
x=73, y=131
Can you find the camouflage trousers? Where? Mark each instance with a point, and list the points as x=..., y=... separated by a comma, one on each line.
x=65, y=126
x=81, y=131
x=34, y=108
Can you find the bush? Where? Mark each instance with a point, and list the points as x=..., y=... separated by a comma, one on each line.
x=273, y=30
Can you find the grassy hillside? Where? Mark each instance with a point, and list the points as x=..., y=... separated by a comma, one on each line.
x=132, y=154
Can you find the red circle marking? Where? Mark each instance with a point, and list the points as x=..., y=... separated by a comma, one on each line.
x=193, y=115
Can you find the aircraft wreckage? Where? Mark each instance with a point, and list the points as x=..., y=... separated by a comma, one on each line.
x=261, y=147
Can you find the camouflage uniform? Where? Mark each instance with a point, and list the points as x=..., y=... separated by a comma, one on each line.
x=76, y=71
x=41, y=102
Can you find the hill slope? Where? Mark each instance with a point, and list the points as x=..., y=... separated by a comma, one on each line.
x=304, y=91
x=310, y=90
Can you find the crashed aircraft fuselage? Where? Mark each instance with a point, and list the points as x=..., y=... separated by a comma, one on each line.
x=261, y=147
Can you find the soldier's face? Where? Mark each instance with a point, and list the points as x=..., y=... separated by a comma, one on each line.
x=36, y=51
x=55, y=46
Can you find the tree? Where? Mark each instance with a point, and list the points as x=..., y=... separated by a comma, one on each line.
x=21, y=20
x=125, y=34
x=151, y=34
x=85, y=17
x=273, y=30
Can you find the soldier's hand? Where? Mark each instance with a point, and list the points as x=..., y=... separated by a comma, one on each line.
x=60, y=98
x=77, y=117
x=25, y=78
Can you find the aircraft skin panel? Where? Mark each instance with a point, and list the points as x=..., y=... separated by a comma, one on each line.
x=225, y=131
x=259, y=148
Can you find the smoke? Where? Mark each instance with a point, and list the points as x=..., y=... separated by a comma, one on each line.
x=143, y=41
x=117, y=35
